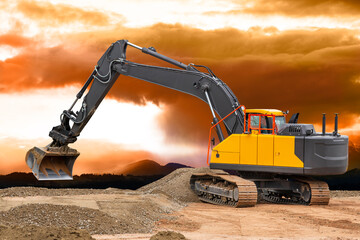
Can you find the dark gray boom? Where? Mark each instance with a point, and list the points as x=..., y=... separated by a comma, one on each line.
x=56, y=160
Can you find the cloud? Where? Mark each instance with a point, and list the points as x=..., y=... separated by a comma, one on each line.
x=288, y=70
x=305, y=71
x=54, y=14
x=15, y=40
x=299, y=8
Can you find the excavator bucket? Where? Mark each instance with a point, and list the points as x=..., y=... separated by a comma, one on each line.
x=52, y=163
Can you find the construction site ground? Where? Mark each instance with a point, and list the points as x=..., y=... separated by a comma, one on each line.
x=167, y=205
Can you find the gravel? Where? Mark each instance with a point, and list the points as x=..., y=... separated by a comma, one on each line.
x=116, y=216
x=38, y=191
x=49, y=215
x=43, y=233
x=168, y=235
x=175, y=185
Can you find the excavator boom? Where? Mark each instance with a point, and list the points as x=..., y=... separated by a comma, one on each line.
x=55, y=161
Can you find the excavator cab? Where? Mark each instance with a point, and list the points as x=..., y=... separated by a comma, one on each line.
x=264, y=121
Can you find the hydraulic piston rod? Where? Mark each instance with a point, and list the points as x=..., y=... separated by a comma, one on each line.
x=215, y=120
x=151, y=51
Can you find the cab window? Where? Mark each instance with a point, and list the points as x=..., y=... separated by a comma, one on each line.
x=280, y=121
x=254, y=121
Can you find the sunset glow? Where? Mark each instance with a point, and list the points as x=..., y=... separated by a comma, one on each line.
x=302, y=56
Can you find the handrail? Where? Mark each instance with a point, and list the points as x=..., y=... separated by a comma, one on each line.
x=244, y=110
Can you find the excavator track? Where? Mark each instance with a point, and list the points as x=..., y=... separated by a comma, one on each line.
x=235, y=191
x=223, y=189
x=312, y=192
x=320, y=193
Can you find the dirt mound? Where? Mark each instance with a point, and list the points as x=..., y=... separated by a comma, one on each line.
x=175, y=185
x=39, y=191
x=104, y=214
x=49, y=215
x=168, y=235
x=44, y=233
x=140, y=212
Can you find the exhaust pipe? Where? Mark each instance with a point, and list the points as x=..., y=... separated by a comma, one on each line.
x=335, y=133
x=324, y=124
x=52, y=163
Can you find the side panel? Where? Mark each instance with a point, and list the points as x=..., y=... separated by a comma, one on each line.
x=326, y=155
x=248, y=149
x=225, y=157
x=227, y=151
x=265, y=150
x=230, y=144
x=284, y=152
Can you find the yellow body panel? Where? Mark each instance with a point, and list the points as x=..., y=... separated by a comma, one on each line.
x=228, y=150
x=265, y=150
x=248, y=149
x=230, y=144
x=284, y=152
x=257, y=149
x=225, y=157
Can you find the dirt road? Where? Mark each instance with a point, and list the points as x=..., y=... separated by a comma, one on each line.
x=135, y=215
x=341, y=219
x=167, y=205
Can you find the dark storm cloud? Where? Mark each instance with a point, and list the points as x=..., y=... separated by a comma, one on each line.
x=306, y=71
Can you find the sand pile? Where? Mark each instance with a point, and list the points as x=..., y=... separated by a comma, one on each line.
x=124, y=211
x=168, y=235
x=176, y=185
x=140, y=213
x=43, y=233
x=48, y=215
x=136, y=213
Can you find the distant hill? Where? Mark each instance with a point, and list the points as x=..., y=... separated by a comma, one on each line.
x=133, y=176
x=150, y=168
x=103, y=181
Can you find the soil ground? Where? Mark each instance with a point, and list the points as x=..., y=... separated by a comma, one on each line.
x=164, y=210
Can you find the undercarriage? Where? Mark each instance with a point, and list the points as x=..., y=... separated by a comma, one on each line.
x=248, y=189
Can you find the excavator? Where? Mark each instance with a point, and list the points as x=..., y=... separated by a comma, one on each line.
x=259, y=156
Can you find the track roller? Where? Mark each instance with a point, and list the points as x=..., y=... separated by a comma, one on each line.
x=223, y=189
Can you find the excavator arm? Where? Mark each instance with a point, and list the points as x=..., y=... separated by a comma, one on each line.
x=55, y=161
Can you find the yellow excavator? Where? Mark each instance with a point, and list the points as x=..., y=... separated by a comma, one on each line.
x=263, y=157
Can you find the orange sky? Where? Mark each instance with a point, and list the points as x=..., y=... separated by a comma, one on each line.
x=301, y=56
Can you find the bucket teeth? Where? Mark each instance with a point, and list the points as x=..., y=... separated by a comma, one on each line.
x=52, y=163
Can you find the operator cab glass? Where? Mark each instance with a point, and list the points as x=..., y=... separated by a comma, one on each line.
x=260, y=120
x=254, y=121
x=280, y=121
